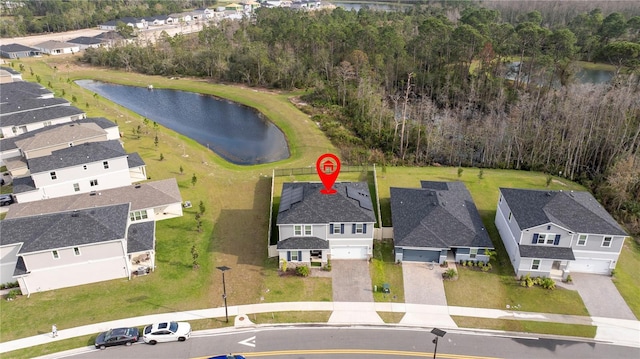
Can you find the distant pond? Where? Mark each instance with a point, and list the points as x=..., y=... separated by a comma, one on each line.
x=237, y=133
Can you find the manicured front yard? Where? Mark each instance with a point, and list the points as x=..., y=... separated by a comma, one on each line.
x=292, y=288
x=492, y=290
x=383, y=270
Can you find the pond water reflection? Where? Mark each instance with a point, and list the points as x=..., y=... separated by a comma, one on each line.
x=237, y=133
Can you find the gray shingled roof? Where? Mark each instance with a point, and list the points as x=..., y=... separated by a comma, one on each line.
x=9, y=69
x=40, y=115
x=9, y=143
x=70, y=132
x=54, y=44
x=16, y=48
x=439, y=215
x=77, y=155
x=141, y=237
x=141, y=196
x=23, y=184
x=134, y=160
x=19, y=90
x=27, y=104
x=578, y=211
x=316, y=207
x=85, y=40
x=546, y=252
x=303, y=243
x=66, y=229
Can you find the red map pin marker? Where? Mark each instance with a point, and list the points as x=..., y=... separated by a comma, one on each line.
x=328, y=167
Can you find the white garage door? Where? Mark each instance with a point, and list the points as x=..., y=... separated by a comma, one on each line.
x=354, y=252
x=590, y=266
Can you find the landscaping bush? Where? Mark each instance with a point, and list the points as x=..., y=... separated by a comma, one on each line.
x=449, y=273
x=526, y=281
x=303, y=271
x=544, y=282
x=327, y=267
x=569, y=279
x=487, y=267
x=13, y=294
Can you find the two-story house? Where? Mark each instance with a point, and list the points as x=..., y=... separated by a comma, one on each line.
x=313, y=227
x=437, y=221
x=15, y=151
x=554, y=233
x=85, y=238
x=89, y=167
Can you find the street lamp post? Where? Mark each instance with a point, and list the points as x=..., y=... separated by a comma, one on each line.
x=224, y=291
x=439, y=334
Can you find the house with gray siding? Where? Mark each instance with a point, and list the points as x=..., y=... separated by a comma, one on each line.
x=315, y=227
x=437, y=222
x=555, y=233
x=18, y=51
x=85, y=238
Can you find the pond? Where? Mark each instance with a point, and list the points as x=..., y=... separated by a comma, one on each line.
x=583, y=76
x=237, y=133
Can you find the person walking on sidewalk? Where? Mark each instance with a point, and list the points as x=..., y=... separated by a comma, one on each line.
x=54, y=331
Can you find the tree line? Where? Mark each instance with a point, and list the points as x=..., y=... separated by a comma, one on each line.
x=418, y=88
x=22, y=18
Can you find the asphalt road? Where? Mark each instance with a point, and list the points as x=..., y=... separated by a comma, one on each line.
x=345, y=342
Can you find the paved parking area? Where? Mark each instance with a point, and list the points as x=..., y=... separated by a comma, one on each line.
x=423, y=285
x=601, y=296
x=351, y=281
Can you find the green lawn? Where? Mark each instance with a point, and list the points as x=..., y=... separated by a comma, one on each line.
x=292, y=288
x=626, y=278
x=526, y=326
x=383, y=269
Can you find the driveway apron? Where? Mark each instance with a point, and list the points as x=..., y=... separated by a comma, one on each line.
x=351, y=281
x=601, y=297
x=423, y=285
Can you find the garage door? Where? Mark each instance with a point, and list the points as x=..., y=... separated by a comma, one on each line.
x=413, y=255
x=590, y=266
x=355, y=252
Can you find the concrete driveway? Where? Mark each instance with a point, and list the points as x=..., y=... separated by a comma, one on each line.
x=423, y=285
x=601, y=296
x=351, y=281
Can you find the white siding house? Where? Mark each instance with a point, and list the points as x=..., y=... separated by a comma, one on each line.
x=555, y=233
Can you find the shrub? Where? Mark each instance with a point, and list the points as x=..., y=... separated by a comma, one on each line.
x=469, y=264
x=526, y=281
x=303, y=271
x=327, y=267
x=486, y=268
x=569, y=279
x=449, y=273
x=548, y=283
x=464, y=264
x=613, y=272
x=283, y=265
x=13, y=294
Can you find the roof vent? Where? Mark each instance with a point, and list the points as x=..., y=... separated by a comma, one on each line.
x=75, y=213
x=548, y=194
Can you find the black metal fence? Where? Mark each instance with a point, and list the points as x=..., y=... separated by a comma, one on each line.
x=312, y=170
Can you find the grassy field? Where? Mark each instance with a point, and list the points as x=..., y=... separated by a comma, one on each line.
x=235, y=228
x=383, y=269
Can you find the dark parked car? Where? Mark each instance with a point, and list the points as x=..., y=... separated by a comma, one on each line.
x=118, y=336
x=5, y=199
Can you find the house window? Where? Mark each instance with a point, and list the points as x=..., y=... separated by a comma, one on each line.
x=606, y=242
x=548, y=228
x=359, y=228
x=105, y=164
x=535, y=264
x=76, y=251
x=545, y=238
x=14, y=129
x=294, y=256
x=53, y=175
x=55, y=254
x=299, y=230
x=46, y=123
x=138, y=215
x=582, y=240
x=510, y=216
x=473, y=252
x=76, y=187
x=84, y=167
x=336, y=228
x=94, y=182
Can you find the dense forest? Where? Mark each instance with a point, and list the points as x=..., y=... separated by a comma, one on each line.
x=428, y=85
x=22, y=18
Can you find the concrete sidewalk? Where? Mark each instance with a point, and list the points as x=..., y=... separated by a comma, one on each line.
x=614, y=331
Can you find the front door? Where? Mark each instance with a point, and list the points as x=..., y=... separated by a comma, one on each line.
x=556, y=265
